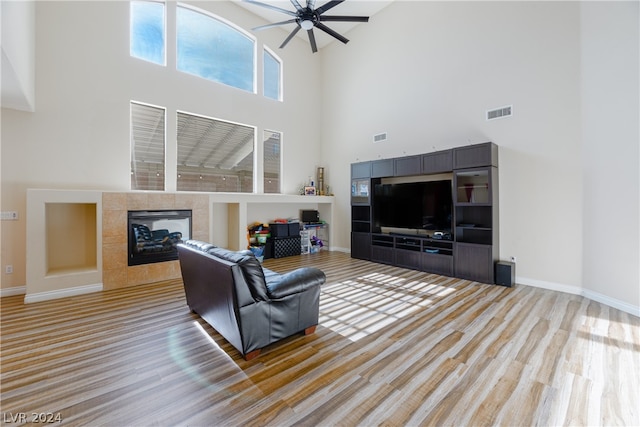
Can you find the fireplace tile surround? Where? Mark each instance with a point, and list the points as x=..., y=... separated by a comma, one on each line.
x=115, y=270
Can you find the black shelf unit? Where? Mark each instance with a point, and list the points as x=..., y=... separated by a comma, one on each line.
x=361, y=210
x=474, y=249
x=476, y=218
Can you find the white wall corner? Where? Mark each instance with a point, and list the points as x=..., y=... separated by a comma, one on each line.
x=577, y=290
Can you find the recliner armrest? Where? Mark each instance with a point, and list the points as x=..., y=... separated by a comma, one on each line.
x=296, y=281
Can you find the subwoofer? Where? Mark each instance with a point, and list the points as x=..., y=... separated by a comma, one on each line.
x=505, y=273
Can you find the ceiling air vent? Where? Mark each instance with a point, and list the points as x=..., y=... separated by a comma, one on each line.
x=500, y=113
x=381, y=137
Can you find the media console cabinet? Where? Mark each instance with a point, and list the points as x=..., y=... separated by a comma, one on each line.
x=471, y=250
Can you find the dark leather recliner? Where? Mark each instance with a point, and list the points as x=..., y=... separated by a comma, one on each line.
x=250, y=306
x=156, y=240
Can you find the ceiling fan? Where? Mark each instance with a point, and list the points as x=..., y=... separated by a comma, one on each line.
x=307, y=18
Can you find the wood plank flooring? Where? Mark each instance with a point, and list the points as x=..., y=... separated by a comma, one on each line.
x=394, y=347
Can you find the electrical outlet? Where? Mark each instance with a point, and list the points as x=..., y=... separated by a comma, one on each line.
x=513, y=259
x=8, y=269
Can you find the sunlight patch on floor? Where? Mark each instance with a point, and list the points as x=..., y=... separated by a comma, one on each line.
x=357, y=308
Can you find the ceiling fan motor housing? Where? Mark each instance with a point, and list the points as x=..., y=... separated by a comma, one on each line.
x=307, y=17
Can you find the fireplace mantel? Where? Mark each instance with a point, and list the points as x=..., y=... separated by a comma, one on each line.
x=77, y=239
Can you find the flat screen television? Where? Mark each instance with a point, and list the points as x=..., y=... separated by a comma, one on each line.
x=413, y=206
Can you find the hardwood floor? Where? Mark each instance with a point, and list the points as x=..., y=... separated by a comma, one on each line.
x=394, y=347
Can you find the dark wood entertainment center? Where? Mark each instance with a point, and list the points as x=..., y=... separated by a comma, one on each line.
x=472, y=250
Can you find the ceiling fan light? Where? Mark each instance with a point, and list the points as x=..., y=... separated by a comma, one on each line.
x=306, y=24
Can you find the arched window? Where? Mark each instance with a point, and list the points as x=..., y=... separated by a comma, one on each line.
x=147, y=24
x=213, y=49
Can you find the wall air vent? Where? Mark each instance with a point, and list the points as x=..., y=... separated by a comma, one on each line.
x=500, y=113
x=381, y=137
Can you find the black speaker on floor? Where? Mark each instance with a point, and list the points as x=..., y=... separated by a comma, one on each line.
x=505, y=273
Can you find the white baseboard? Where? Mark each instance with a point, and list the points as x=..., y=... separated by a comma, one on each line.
x=337, y=249
x=612, y=302
x=8, y=292
x=62, y=293
x=576, y=290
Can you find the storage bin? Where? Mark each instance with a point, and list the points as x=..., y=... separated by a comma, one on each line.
x=279, y=230
x=280, y=247
x=294, y=229
x=291, y=229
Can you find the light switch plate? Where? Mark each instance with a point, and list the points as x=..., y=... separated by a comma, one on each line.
x=9, y=215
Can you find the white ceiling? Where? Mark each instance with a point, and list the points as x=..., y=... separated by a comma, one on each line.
x=349, y=7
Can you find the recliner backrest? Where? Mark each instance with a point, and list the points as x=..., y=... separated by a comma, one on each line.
x=143, y=234
x=251, y=270
x=198, y=244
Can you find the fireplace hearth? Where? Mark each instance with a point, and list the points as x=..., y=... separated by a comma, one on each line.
x=153, y=235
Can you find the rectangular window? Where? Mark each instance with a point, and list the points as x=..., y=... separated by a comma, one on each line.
x=272, y=161
x=214, y=155
x=272, y=76
x=147, y=147
x=147, y=32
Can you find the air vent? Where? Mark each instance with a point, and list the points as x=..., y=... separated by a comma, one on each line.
x=381, y=137
x=500, y=113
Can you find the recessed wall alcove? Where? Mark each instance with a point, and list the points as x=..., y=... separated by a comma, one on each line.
x=71, y=237
x=64, y=256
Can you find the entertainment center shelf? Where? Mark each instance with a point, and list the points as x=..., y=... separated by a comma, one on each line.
x=418, y=253
x=448, y=201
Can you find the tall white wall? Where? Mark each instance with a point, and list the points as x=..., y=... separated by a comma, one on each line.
x=78, y=138
x=610, y=58
x=426, y=72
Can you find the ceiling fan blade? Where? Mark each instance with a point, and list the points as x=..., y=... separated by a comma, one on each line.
x=275, y=24
x=321, y=26
x=311, y=4
x=297, y=5
x=290, y=36
x=268, y=6
x=322, y=9
x=344, y=18
x=312, y=41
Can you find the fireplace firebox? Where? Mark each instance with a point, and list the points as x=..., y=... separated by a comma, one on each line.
x=153, y=235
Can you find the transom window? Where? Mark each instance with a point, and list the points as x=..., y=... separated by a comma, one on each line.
x=207, y=46
x=214, y=155
x=147, y=38
x=272, y=76
x=214, y=50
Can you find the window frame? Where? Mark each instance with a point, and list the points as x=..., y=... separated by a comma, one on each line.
x=280, y=161
x=254, y=151
x=270, y=52
x=163, y=63
x=230, y=24
x=132, y=145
